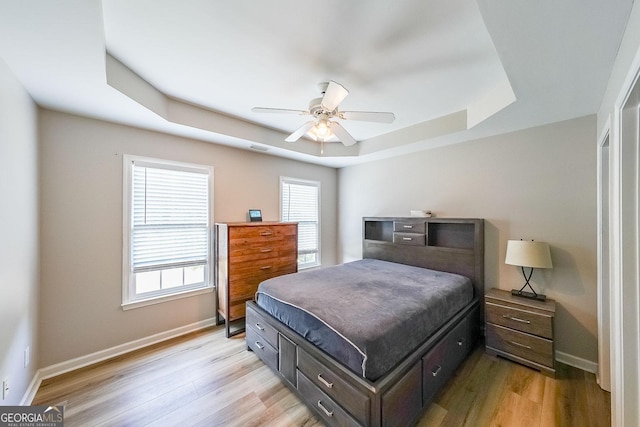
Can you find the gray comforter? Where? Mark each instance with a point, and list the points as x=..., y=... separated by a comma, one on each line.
x=367, y=314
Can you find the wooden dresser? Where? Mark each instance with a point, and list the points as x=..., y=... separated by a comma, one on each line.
x=247, y=254
x=521, y=329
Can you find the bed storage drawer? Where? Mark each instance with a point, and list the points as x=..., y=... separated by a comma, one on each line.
x=352, y=400
x=261, y=327
x=444, y=358
x=435, y=370
x=328, y=409
x=265, y=351
x=413, y=239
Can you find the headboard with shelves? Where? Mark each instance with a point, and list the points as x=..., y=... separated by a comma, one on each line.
x=454, y=245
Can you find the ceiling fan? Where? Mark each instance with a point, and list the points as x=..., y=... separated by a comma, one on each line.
x=324, y=109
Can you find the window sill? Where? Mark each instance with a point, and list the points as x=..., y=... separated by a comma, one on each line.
x=165, y=298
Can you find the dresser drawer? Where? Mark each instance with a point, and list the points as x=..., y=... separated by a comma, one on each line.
x=410, y=227
x=262, y=348
x=262, y=328
x=261, y=234
x=259, y=264
x=328, y=409
x=353, y=401
x=414, y=239
x=521, y=320
x=261, y=250
x=530, y=347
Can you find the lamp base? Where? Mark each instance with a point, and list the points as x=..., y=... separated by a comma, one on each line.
x=530, y=295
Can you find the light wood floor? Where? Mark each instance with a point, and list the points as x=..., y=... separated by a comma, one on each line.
x=204, y=379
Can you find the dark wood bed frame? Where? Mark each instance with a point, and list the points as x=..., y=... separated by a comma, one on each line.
x=339, y=396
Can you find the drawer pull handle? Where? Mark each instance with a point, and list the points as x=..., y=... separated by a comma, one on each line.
x=506, y=316
x=461, y=342
x=437, y=371
x=264, y=251
x=408, y=226
x=260, y=327
x=521, y=345
x=325, y=382
x=259, y=345
x=266, y=233
x=407, y=238
x=266, y=267
x=325, y=410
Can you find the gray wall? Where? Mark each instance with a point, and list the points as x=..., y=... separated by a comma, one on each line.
x=18, y=235
x=81, y=220
x=536, y=184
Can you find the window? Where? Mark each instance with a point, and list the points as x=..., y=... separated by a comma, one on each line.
x=300, y=202
x=166, y=225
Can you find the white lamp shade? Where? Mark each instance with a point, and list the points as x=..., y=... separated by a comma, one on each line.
x=528, y=253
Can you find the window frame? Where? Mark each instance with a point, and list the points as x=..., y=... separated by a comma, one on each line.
x=318, y=186
x=130, y=299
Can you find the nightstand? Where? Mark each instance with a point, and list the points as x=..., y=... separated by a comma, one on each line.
x=520, y=329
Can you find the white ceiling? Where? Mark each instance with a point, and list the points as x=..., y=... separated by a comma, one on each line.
x=450, y=70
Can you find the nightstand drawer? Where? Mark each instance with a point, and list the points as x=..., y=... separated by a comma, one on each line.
x=521, y=320
x=530, y=347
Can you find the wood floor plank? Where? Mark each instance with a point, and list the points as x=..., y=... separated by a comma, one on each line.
x=204, y=379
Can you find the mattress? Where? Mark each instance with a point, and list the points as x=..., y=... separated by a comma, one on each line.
x=368, y=314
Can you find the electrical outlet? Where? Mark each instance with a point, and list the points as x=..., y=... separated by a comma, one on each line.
x=5, y=388
x=27, y=356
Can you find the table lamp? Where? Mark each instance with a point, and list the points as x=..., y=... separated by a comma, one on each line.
x=531, y=254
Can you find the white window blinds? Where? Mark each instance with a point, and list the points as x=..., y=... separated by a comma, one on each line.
x=300, y=203
x=170, y=217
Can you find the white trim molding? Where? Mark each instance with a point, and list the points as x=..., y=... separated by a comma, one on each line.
x=603, y=374
x=99, y=356
x=625, y=286
x=577, y=362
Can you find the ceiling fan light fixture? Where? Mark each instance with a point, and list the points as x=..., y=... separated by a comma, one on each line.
x=322, y=129
x=322, y=109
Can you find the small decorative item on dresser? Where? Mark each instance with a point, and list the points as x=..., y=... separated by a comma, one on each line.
x=520, y=330
x=527, y=253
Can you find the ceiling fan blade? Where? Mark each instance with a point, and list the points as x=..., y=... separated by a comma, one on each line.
x=300, y=131
x=368, y=116
x=277, y=110
x=333, y=95
x=342, y=134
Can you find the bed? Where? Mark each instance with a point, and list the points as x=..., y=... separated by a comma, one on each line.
x=407, y=315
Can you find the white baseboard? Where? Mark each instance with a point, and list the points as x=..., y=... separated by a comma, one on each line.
x=99, y=356
x=577, y=362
